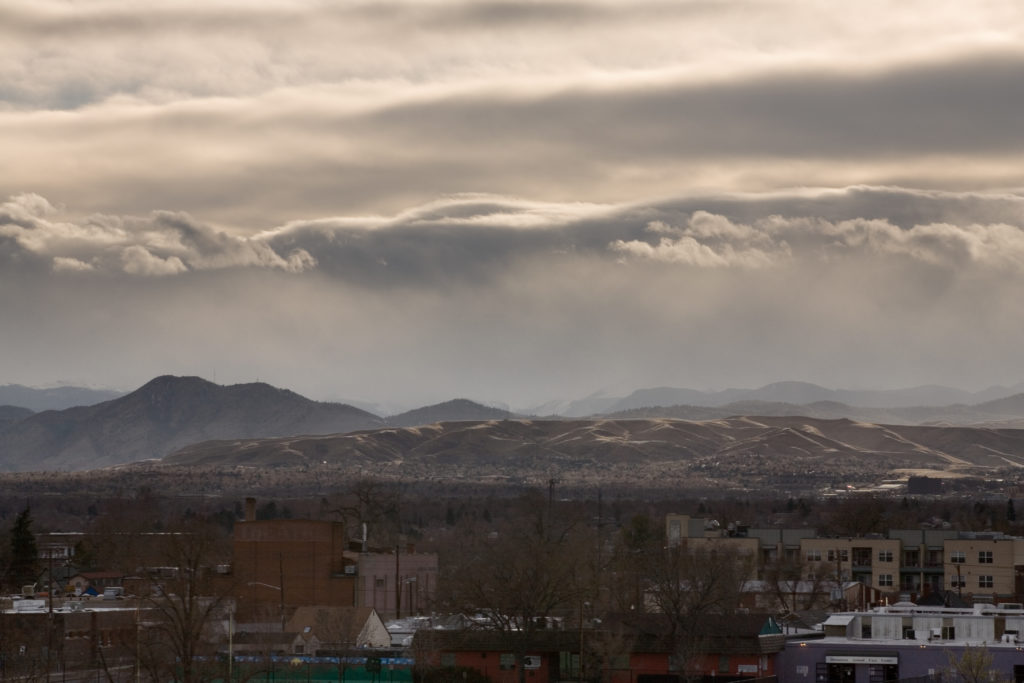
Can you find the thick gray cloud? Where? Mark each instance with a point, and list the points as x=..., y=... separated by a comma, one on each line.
x=162, y=244
x=520, y=301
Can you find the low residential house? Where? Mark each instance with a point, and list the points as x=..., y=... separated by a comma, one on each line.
x=98, y=581
x=628, y=649
x=338, y=628
x=312, y=630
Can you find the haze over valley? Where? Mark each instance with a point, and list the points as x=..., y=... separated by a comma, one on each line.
x=749, y=444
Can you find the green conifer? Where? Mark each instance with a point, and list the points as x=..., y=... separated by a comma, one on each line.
x=24, y=567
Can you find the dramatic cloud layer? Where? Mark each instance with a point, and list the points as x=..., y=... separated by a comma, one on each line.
x=511, y=200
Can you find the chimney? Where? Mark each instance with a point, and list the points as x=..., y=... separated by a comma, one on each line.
x=250, y=509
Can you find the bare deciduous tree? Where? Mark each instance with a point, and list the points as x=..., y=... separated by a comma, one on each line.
x=186, y=603
x=796, y=584
x=974, y=666
x=519, y=578
x=684, y=584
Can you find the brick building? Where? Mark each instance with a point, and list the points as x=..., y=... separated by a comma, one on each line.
x=286, y=563
x=282, y=564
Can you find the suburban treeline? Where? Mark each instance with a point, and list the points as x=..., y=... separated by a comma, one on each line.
x=409, y=513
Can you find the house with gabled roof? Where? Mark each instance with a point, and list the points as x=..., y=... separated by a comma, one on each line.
x=338, y=628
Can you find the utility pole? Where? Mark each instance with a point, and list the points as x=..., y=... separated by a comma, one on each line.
x=398, y=586
x=280, y=570
x=49, y=627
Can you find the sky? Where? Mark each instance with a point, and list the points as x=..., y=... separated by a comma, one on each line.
x=402, y=202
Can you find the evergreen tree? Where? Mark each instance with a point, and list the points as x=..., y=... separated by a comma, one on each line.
x=24, y=567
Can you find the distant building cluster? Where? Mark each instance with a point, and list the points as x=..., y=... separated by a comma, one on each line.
x=300, y=595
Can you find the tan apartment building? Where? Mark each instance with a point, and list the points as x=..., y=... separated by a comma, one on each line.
x=985, y=565
x=762, y=545
x=922, y=559
x=904, y=563
x=872, y=561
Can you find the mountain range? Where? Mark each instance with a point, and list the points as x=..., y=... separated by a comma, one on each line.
x=1003, y=413
x=169, y=414
x=52, y=398
x=744, y=452
x=796, y=393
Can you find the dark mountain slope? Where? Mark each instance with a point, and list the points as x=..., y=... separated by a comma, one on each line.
x=11, y=414
x=450, y=411
x=162, y=416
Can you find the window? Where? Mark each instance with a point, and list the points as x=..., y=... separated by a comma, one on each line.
x=723, y=660
x=985, y=581
x=957, y=557
x=949, y=633
x=958, y=582
x=885, y=556
x=379, y=583
x=448, y=659
x=506, y=661
x=843, y=555
x=984, y=557
x=814, y=556
x=885, y=580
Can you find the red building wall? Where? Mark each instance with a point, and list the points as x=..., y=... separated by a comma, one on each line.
x=302, y=558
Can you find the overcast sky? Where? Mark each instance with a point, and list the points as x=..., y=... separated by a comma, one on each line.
x=411, y=201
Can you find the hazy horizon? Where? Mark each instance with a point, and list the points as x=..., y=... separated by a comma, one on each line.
x=398, y=404
x=511, y=202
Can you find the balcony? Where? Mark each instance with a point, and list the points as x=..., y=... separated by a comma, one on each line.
x=861, y=559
